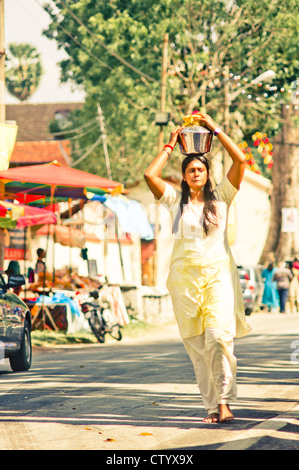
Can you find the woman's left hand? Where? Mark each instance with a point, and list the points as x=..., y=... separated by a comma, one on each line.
x=206, y=120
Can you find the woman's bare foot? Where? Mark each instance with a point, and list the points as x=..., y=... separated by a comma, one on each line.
x=225, y=413
x=212, y=418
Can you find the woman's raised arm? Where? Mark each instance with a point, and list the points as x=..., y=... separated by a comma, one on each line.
x=152, y=174
x=236, y=172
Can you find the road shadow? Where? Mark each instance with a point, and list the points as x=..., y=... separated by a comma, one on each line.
x=142, y=385
x=257, y=443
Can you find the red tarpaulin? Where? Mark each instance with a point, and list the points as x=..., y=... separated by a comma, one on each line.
x=25, y=216
x=3, y=211
x=35, y=216
x=64, y=181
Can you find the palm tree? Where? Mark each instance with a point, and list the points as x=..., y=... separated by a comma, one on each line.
x=24, y=70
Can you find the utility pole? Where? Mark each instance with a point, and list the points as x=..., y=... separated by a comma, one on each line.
x=2, y=63
x=160, y=147
x=104, y=137
x=163, y=86
x=227, y=102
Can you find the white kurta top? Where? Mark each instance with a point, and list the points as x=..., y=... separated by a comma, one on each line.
x=203, y=280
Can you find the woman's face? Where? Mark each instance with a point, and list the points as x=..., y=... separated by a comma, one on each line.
x=196, y=175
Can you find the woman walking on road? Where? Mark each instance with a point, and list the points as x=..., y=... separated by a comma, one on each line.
x=270, y=294
x=203, y=280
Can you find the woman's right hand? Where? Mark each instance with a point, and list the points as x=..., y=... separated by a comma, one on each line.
x=174, y=135
x=152, y=174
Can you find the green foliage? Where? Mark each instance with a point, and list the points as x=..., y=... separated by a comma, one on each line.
x=24, y=70
x=114, y=49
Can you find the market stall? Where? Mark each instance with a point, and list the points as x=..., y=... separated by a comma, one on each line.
x=51, y=183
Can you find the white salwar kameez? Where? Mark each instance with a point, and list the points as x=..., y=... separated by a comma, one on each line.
x=215, y=366
x=206, y=295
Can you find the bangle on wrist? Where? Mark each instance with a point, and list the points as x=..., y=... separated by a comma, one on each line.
x=170, y=146
x=217, y=131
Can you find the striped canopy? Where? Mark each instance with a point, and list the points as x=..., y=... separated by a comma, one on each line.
x=53, y=179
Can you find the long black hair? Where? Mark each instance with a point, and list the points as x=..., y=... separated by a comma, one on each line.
x=209, y=209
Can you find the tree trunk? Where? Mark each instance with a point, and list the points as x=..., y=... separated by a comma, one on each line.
x=285, y=192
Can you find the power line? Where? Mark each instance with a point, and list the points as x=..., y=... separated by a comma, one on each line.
x=94, y=145
x=88, y=52
x=28, y=13
x=83, y=133
x=114, y=54
x=75, y=40
x=79, y=150
x=84, y=48
x=89, y=123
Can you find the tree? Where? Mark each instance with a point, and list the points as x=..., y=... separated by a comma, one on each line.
x=114, y=49
x=24, y=70
x=285, y=195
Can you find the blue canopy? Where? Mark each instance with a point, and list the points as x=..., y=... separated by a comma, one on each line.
x=131, y=215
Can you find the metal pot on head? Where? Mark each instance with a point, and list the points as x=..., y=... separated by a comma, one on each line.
x=194, y=139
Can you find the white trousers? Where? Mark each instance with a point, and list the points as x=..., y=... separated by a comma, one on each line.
x=215, y=366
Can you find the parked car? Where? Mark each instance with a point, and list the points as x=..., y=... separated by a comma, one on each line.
x=15, y=325
x=252, y=286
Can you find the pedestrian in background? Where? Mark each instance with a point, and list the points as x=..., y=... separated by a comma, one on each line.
x=40, y=265
x=283, y=277
x=270, y=294
x=203, y=280
x=294, y=286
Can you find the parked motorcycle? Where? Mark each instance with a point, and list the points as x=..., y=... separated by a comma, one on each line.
x=99, y=317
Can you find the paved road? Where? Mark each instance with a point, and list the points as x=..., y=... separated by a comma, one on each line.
x=141, y=395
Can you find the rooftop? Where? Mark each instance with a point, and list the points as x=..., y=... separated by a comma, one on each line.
x=45, y=151
x=33, y=119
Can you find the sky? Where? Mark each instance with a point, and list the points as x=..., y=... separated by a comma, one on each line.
x=24, y=22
